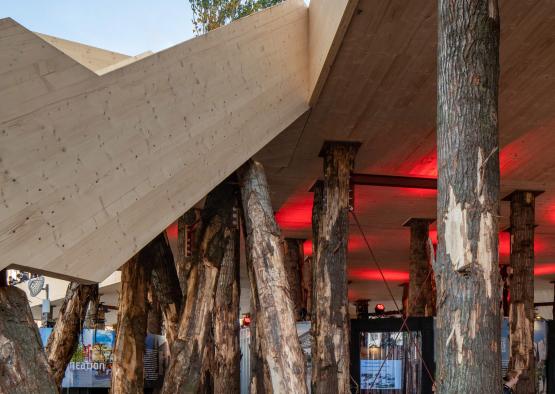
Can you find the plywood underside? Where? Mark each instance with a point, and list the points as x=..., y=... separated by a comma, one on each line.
x=100, y=152
x=93, y=167
x=381, y=91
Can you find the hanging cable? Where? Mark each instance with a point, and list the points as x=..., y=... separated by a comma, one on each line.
x=404, y=323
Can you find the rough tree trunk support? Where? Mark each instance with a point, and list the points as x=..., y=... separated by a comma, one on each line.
x=275, y=315
x=317, y=209
x=227, y=354
x=421, y=298
x=154, y=319
x=259, y=373
x=467, y=343
x=293, y=251
x=521, y=306
x=188, y=365
x=65, y=335
x=185, y=232
x=129, y=347
x=330, y=355
x=93, y=314
x=306, y=286
x=23, y=365
x=165, y=283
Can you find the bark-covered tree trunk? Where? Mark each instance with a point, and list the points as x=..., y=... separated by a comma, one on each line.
x=23, y=365
x=186, y=230
x=521, y=307
x=187, y=364
x=93, y=314
x=306, y=286
x=421, y=298
x=154, y=317
x=317, y=212
x=129, y=347
x=293, y=251
x=467, y=272
x=65, y=335
x=227, y=354
x=4, y=278
x=330, y=355
x=165, y=283
x=275, y=317
x=405, y=298
x=259, y=373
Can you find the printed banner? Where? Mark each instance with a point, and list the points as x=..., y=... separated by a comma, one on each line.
x=91, y=364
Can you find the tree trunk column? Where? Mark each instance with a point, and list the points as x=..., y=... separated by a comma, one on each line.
x=129, y=347
x=227, y=353
x=421, y=298
x=293, y=250
x=186, y=234
x=521, y=307
x=192, y=351
x=467, y=271
x=165, y=283
x=317, y=213
x=23, y=365
x=331, y=336
x=65, y=335
x=275, y=314
x=93, y=313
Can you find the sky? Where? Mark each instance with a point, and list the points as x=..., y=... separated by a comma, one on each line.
x=126, y=26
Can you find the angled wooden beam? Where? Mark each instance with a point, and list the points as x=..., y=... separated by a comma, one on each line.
x=328, y=21
x=131, y=145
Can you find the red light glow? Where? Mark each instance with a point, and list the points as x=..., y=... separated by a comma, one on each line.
x=356, y=243
x=418, y=193
x=374, y=274
x=544, y=269
x=172, y=231
x=504, y=244
x=307, y=247
x=296, y=213
x=426, y=167
x=433, y=236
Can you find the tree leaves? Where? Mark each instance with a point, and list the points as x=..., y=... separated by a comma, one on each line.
x=211, y=14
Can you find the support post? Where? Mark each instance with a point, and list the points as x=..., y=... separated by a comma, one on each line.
x=189, y=351
x=467, y=343
x=226, y=373
x=306, y=287
x=93, y=311
x=521, y=306
x=405, y=298
x=293, y=251
x=330, y=355
x=275, y=317
x=165, y=283
x=421, y=297
x=259, y=373
x=129, y=347
x=317, y=213
x=23, y=365
x=186, y=230
x=154, y=317
x=65, y=335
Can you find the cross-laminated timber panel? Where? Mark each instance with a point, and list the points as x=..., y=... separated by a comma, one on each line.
x=93, y=167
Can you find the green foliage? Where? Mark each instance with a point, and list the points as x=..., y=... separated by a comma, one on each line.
x=211, y=14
